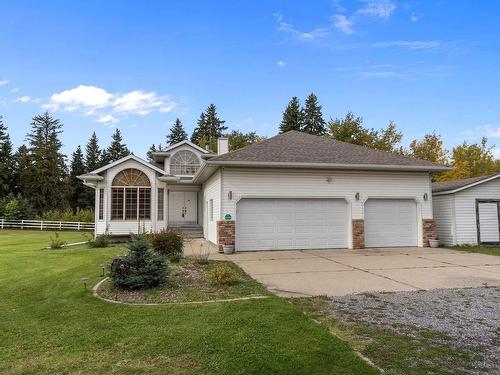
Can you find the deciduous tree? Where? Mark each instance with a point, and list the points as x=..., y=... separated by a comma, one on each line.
x=238, y=139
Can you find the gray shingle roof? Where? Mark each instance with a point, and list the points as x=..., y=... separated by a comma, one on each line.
x=438, y=187
x=298, y=147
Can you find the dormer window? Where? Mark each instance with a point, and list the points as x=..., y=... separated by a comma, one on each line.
x=184, y=163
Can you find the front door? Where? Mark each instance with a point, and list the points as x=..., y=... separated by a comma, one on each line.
x=182, y=207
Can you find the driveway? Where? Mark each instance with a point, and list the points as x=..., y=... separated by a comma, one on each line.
x=342, y=272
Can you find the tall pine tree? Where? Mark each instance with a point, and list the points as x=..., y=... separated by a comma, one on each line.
x=6, y=162
x=77, y=193
x=215, y=125
x=21, y=165
x=292, y=116
x=152, y=149
x=313, y=118
x=201, y=130
x=116, y=150
x=44, y=181
x=92, y=154
x=177, y=133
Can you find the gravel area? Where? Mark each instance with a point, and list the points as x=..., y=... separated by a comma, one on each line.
x=470, y=317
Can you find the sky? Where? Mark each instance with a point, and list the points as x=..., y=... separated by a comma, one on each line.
x=137, y=65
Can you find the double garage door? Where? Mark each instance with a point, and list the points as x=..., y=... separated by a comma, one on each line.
x=287, y=224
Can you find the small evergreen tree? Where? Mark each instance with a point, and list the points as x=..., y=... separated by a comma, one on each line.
x=140, y=268
x=313, y=118
x=44, y=180
x=6, y=162
x=152, y=149
x=93, y=154
x=292, y=116
x=177, y=133
x=201, y=130
x=117, y=149
x=215, y=126
x=77, y=196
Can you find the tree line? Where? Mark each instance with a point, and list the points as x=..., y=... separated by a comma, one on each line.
x=37, y=178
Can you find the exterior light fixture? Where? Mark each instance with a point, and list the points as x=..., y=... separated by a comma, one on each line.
x=103, y=267
x=85, y=279
x=230, y=195
x=356, y=196
x=426, y=197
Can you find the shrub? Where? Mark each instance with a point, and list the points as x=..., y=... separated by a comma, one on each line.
x=175, y=258
x=82, y=215
x=103, y=240
x=56, y=242
x=222, y=274
x=167, y=242
x=141, y=268
x=12, y=208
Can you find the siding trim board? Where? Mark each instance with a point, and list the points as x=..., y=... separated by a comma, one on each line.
x=478, y=226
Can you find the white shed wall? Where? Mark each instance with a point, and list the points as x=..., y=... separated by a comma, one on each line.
x=444, y=215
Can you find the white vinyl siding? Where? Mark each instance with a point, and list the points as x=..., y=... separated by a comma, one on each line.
x=462, y=205
x=390, y=223
x=211, y=196
x=488, y=222
x=444, y=213
x=285, y=224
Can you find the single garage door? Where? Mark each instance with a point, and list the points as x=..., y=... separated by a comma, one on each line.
x=488, y=221
x=390, y=222
x=285, y=224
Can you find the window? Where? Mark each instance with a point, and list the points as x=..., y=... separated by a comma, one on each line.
x=161, y=193
x=101, y=204
x=211, y=209
x=131, y=196
x=184, y=163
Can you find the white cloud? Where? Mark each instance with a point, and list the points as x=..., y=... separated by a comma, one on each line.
x=302, y=35
x=282, y=63
x=3, y=82
x=380, y=8
x=23, y=99
x=410, y=44
x=92, y=101
x=107, y=119
x=343, y=23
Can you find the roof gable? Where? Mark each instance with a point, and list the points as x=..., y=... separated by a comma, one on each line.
x=449, y=187
x=185, y=142
x=124, y=159
x=299, y=148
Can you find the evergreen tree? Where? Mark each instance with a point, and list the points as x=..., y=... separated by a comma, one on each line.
x=177, y=133
x=313, y=118
x=77, y=194
x=21, y=165
x=215, y=126
x=44, y=180
x=93, y=154
x=201, y=130
x=292, y=116
x=152, y=149
x=116, y=150
x=6, y=162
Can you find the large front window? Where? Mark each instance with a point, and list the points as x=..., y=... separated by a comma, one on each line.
x=131, y=196
x=184, y=163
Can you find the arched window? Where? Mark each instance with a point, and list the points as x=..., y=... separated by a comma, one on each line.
x=184, y=163
x=131, y=196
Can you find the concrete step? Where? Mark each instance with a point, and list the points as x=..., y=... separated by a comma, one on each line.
x=189, y=231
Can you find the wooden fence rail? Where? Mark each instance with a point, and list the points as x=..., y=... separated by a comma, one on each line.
x=46, y=225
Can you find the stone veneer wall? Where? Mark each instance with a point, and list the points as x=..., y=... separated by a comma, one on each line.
x=429, y=231
x=225, y=232
x=358, y=234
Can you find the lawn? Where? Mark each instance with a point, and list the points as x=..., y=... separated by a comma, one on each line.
x=488, y=250
x=50, y=324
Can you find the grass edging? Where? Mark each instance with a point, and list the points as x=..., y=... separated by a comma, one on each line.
x=96, y=294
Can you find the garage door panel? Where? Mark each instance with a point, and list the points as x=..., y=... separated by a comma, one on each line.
x=390, y=222
x=282, y=224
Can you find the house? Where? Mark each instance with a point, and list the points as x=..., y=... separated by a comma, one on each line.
x=291, y=191
x=467, y=211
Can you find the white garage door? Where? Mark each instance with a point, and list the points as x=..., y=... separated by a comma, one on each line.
x=390, y=222
x=284, y=224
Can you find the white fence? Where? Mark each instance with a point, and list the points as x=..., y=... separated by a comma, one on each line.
x=45, y=225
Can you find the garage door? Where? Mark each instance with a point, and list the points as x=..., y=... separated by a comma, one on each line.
x=284, y=224
x=390, y=222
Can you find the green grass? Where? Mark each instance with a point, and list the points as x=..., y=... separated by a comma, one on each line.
x=188, y=282
x=478, y=249
x=421, y=352
x=50, y=324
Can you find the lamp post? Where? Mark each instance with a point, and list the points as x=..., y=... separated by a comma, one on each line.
x=85, y=279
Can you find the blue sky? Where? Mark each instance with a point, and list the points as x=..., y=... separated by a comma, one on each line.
x=137, y=65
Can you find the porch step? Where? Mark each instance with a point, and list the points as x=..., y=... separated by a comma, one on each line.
x=189, y=231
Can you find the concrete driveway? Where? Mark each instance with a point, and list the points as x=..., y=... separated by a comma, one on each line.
x=341, y=272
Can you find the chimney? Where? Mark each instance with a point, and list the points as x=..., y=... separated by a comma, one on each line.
x=222, y=146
